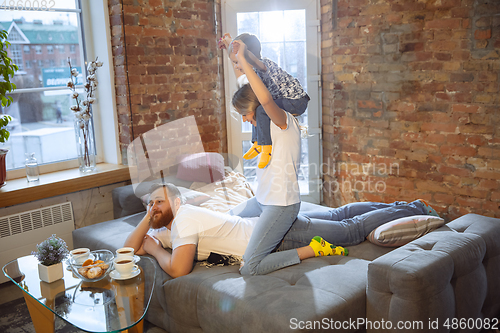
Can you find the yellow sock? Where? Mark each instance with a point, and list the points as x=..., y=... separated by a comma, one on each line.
x=323, y=248
x=253, y=151
x=266, y=156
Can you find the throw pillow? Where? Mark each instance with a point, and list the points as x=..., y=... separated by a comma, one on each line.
x=404, y=230
x=191, y=197
x=201, y=167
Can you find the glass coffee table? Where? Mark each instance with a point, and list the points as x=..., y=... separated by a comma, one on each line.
x=104, y=306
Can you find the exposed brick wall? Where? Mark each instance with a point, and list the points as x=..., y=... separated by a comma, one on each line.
x=166, y=68
x=411, y=94
x=410, y=103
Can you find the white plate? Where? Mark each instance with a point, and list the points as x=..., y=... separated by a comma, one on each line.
x=116, y=276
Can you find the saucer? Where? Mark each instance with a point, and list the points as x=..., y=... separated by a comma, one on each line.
x=116, y=276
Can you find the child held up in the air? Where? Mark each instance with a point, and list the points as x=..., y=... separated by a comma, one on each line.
x=286, y=91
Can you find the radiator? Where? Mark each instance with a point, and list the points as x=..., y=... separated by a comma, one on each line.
x=20, y=233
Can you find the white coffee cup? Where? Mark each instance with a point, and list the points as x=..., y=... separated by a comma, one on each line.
x=125, y=265
x=125, y=252
x=80, y=255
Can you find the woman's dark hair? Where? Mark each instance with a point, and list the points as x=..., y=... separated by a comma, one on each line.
x=244, y=100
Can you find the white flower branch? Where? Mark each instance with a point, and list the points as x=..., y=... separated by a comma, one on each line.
x=83, y=109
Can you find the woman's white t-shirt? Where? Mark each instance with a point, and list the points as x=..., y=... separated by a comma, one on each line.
x=210, y=231
x=277, y=182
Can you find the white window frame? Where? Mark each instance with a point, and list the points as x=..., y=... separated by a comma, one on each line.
x=95, y=16
x=97, y=25
x=313, y=33
x=17, y=55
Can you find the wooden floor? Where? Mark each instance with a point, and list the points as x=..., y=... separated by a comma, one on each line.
x=9, y=292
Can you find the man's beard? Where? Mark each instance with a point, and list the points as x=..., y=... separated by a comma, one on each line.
x=160, y=219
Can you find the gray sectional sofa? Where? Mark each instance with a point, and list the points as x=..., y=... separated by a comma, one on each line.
x=452, y=273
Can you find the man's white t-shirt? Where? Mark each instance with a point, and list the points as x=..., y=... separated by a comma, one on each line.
x=277, y=182
x=210, y=231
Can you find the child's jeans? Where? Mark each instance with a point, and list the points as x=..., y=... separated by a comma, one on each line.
x=262, y=132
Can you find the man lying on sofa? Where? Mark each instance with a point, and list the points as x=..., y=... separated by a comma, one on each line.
x=194, y=232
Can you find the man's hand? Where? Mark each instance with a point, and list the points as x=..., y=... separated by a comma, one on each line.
x=149, y=210
x=136, y=237
x=151, y=244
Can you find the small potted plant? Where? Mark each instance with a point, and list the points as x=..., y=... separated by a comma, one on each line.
x=7, y=70
x=50, y=254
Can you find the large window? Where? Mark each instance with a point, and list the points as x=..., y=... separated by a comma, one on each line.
x=283, y=39
x=289, y=34
x=43, y=122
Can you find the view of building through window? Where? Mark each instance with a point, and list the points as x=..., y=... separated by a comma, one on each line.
x=41, y=43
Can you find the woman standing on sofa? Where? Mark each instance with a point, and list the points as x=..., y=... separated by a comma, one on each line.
x=277, y=200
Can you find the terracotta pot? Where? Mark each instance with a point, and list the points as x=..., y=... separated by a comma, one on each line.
x=3, y=169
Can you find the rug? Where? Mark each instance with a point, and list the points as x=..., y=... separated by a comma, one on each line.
x=15, y=318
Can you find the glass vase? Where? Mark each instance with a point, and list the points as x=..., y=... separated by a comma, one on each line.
x=85, y=145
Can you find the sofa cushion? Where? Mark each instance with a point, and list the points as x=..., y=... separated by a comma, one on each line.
x=125, y=202
x=201, y=167
x=219, y=299
x=403, y=230
x=108, y=235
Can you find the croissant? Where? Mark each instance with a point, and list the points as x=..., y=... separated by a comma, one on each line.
x=94, y=272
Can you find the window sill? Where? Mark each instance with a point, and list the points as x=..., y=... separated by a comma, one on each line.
x=18, y=191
